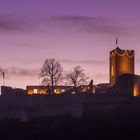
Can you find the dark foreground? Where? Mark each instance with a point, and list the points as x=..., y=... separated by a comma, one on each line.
x=121, y=123
x=70, y=129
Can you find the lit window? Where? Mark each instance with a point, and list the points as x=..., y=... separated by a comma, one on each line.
x=35, y=91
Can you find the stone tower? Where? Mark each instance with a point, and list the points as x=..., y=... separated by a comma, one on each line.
x=121, y=61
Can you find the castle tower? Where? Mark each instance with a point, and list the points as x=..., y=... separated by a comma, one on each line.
x=121, y=61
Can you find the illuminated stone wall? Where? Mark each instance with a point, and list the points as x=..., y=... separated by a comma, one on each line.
x=121, y=61
x=136, y=88
x=36, y=90
x=31, y=90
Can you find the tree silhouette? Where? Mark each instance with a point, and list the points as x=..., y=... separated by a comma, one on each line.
x=76, y=77
x=51, y=72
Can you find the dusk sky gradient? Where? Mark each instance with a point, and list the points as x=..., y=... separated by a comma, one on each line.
x=75, y=32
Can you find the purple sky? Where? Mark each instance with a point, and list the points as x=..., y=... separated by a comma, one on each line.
x=75, y=32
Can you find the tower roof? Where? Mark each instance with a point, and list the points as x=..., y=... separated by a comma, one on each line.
x=118, y=49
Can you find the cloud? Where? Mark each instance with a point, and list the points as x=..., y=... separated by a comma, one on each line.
x=93, y=62
x=89, y=24
x=14, y=71
x=9, y=23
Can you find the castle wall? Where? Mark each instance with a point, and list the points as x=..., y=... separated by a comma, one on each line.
x=127, y=84
x=136, y=90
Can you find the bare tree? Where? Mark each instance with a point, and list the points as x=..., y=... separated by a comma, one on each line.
x=76, y=77
x=51, y=72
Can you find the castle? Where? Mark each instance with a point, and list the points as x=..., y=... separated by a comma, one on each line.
x=122, y=79
x=122, y=62
x=91, y=99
